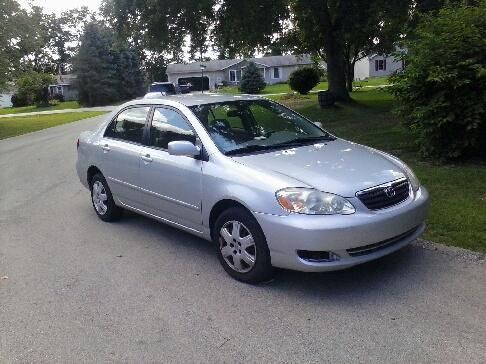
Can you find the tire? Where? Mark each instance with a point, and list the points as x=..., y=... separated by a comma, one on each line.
x=102, y=199
x=243, y=253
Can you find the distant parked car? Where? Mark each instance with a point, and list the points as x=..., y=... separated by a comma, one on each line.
x=154, y=95
x=269, y=187
x=185, y=87
x=167, y=87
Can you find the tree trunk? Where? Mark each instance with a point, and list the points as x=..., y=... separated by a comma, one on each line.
x=349, y=75
x=336, y=67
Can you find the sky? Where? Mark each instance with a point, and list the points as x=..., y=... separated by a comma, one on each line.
x=58, y=6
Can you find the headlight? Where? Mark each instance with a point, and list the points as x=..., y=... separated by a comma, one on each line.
x=412, y=178
x=313, y=202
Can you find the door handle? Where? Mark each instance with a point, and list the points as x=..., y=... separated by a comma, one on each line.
x=105, y=148
x=146, y=158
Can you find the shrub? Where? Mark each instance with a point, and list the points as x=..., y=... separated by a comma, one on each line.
x=59, y=97
x=32, y=88
x=442, y=91
x=18, y=100
x=304, y=79
x=252, y=81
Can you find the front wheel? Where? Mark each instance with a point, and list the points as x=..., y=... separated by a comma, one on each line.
x=241, y=246
x=102, y=199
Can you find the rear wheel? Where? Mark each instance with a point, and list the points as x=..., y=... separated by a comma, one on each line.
x=102, y=199
x=241, y=246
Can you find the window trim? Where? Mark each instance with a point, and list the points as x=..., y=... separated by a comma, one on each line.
x=149, y=127
x=279, y=73
x=144, y=129
x=236, y=75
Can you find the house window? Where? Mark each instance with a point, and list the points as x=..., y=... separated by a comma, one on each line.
x=234, y=75
x=380, y=65
x=276, y=73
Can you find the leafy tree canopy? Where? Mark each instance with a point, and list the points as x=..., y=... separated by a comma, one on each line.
x=339, y=31
x=442, y=91
x=107, y=71
x=32, y=88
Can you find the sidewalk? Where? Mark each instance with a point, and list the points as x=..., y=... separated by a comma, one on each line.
x=62, y=111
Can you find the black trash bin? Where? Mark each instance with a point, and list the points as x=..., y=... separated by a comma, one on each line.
x=326, y=98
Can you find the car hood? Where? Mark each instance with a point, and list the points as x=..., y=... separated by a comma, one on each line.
x=337, y=166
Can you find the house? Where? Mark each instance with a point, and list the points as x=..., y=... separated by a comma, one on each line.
x=377, y=65
x=216, y=73
x=5, y=100
x=64, y=86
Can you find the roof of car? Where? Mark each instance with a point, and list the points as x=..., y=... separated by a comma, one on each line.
x=193, y=99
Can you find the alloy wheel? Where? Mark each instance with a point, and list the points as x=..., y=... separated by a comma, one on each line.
x=237, y=246
x=99, y=198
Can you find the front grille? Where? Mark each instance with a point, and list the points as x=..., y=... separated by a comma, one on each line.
x=368, y=249
x=386, y=195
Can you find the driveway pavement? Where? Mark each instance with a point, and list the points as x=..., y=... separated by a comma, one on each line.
x=75, y=289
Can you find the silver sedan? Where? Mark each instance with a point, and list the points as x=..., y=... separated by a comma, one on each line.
x=269, y=187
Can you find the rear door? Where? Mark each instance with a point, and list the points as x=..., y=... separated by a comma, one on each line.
x=120, y=150
x=171, y=184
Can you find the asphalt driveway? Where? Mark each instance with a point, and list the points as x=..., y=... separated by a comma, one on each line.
x=75, y=289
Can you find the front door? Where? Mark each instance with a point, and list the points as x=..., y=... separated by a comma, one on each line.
x=171, y=184
x=120, y=150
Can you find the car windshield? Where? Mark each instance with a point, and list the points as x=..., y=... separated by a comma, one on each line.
x=245, y=126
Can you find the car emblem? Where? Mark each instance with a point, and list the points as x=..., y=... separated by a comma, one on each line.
x=390, y=192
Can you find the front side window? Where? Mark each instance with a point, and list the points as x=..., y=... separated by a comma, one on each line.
x=238, y=127
x=235, y=75
x=168, y=126
x=380, y=65
x=276, y=72
x=129, y=124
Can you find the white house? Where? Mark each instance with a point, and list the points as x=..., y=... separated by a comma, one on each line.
x=274, y=69
x=64, y=86
x=377, y=65
x=5, y=100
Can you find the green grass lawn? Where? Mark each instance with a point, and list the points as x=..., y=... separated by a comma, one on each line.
x=14, y=126
x=284, y=87
x=458, y=192
x=33, y=108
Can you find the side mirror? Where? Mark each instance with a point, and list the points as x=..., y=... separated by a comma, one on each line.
x=184, y=148
x=318, y=123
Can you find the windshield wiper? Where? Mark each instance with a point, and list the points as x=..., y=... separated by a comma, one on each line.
x=250, y=148
x=301, y=141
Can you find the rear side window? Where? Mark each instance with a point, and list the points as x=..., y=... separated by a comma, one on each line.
x=168, y=126
x=128, y=125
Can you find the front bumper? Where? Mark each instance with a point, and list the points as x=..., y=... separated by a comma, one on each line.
x=337, y=233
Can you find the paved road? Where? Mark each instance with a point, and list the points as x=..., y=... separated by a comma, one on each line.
x=80, y=290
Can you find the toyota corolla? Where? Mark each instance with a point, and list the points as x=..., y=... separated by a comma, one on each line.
x=267, y=186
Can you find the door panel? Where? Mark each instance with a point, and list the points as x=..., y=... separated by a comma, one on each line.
x=171, y=184
x=120, y=151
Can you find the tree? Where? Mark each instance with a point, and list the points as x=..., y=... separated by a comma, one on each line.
x=252, y=81
x=304, y=79
x=94, y=67
x=338, y=31
x=32, y=87
x=129, y=77
x=106, y=71
x=442, y=91
x=11, y=31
